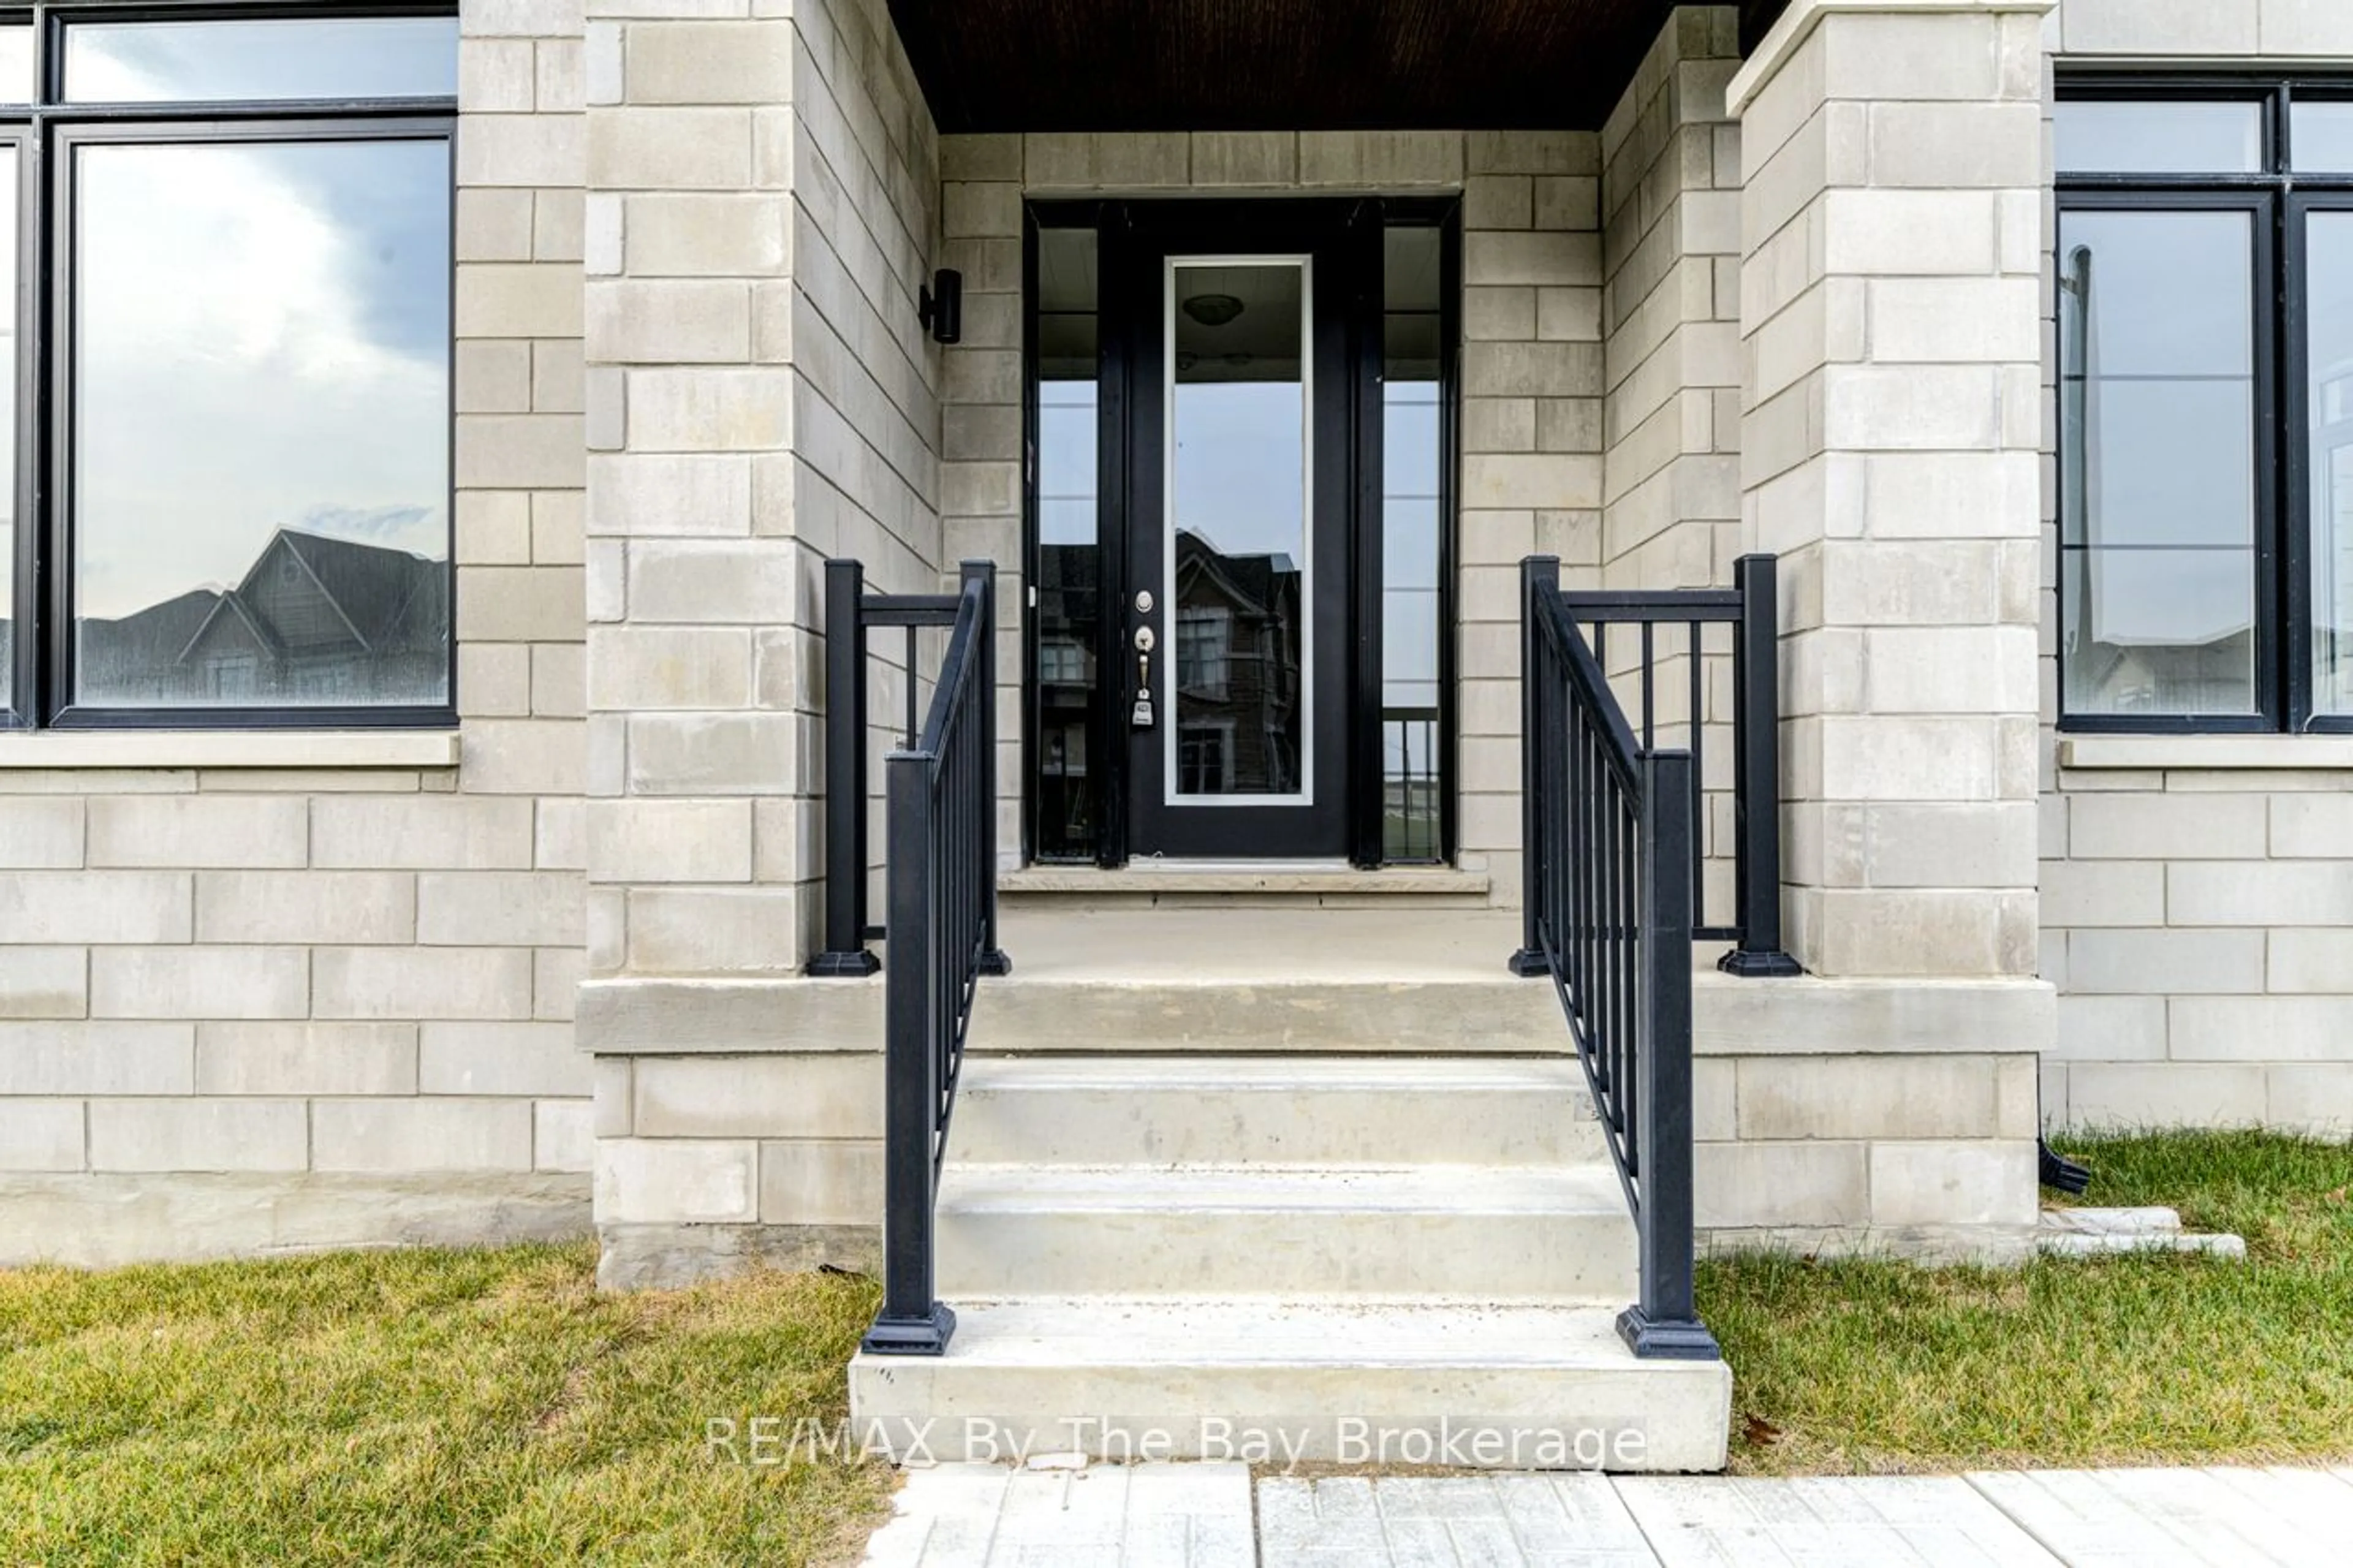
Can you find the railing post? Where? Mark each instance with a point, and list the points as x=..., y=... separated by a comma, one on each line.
x=1757, y=792
x=993, y=960
x=1664, y=1323
x=1539, y=574
x=913, y=1321
x=846, y=955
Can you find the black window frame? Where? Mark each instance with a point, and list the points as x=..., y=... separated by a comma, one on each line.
x=41, y=136
x=2281, y=199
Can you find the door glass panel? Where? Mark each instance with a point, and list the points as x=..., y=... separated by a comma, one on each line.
x=2125, y=137
x=1070, y=561
x=2329, y=366
x=1236, y=631
x=2158, y=455
x=1412, y=462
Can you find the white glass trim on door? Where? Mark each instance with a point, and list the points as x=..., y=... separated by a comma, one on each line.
x=1171, y=696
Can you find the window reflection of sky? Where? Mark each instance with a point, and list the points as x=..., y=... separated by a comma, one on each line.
x=262, y=343
x=261, y=58
x=1242, y=466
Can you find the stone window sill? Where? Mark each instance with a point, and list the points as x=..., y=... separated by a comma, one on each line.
x=275, y=749
x=2221, y=752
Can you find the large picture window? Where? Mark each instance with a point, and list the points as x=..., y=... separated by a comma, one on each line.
x=2205, y=302
x=234, y=368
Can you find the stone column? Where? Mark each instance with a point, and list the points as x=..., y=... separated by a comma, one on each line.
x=762, y=205
x=693, y=585
x=1892, y=243
x=1671, y=306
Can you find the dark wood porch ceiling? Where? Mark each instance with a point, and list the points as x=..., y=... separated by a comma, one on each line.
x=1244, y=64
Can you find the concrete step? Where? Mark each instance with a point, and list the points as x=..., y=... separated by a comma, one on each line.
x=1554, y=1235
x=1283, y=1382
x=1272, y=1111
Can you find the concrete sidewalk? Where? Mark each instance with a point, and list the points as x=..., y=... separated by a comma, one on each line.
x=1211, y=1516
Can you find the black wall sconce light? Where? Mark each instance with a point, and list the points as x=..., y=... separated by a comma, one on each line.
x=940, y=306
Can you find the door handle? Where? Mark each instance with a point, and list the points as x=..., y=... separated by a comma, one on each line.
x=1140, y=716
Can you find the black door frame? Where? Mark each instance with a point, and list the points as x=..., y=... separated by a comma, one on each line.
x=1242, y=224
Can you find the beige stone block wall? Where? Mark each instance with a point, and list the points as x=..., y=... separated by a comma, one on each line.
x=253, y=1007
x=764, y=202
x=1892, y=413
x=1532, y=378
x=1671, y=308
x=2198, y=911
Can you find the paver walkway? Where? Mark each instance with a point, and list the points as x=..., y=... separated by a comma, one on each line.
x=1209, y=1516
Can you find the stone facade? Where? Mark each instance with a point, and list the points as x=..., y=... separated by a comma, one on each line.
x=764, y=200
x=2197, y=906
x=1531, y=371
x=1670, y=424
x=270, y=992
x=264, y=992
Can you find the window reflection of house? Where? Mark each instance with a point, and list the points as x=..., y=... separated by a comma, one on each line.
x=1239, y=671
x=1203, y=638
x=1205, y=758
x=1067, y=580
x=1062, y=662
x=315, y=621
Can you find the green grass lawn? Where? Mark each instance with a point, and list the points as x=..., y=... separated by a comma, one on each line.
x=491, y=1408
x=482, y=1408
x=1877, y=1365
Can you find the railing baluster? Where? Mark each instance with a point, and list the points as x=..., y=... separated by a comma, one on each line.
x=1650, y=662
x=1697, y=630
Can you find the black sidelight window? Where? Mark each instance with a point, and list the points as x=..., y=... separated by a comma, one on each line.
x=230, y=420
x=2205, y=301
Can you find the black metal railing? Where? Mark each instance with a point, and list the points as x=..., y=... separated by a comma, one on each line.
x=1611, y=854
x=1670, y=627
x=851, y=614
x=940, y=927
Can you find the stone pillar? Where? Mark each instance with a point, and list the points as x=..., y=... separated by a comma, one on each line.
x=1671, y=308
x=762, y=206
x=1531, y=433
x=1670, y=305
x=1890, y=281
x=693, y=582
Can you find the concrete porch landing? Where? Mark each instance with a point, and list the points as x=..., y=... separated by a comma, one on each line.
x=1423, y=980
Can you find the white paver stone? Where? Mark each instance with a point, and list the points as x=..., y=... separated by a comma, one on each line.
x=2107, y=1518
x=1880, y=1521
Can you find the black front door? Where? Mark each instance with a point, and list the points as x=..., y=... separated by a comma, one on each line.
x=1236, y=620
x=1239, y=480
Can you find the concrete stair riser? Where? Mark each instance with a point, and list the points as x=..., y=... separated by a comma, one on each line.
x=1450, y=1017
x=1273, y=1112
x=1515, y=1389
x=1452, y=1233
